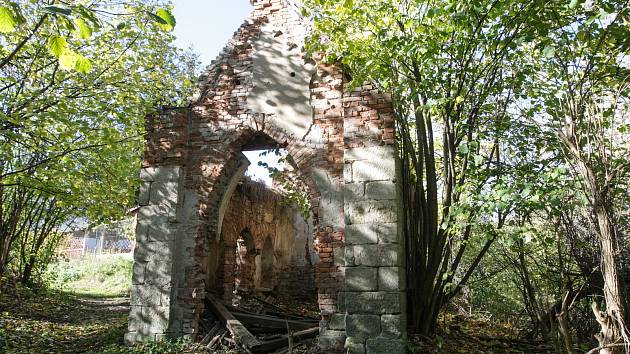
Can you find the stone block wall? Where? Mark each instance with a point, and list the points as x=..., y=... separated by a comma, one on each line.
x=264, y=90
x=156, y=233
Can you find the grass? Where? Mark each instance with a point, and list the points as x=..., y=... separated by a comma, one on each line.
x=101, y=275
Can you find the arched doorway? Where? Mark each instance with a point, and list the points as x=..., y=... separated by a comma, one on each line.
x=271, y=231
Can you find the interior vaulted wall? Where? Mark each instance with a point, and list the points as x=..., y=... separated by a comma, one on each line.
x=342, y=143
x=265, y=217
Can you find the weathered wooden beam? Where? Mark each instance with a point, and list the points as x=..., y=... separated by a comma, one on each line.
x=240, y=334
x=216, y=338
x=210, y=334
x=272, y=322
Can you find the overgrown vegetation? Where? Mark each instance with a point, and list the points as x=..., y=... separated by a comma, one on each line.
x=83, y=309
x=56, y=321
x=107, y=275
x=512, y=124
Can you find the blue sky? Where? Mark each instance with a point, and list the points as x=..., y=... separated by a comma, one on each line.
x=206, y=26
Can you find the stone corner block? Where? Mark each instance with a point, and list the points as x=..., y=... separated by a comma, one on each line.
x=361, y=279
x=354, y=346
x=360, y=234
x=385, y=255
x=373, y=170
x=353, y=191
x=144, y=193
x=390, y=279
x=331, y=340
x=164, y=193
x=371, y=211
x=380, y=190
x=362, y=327
x=381, y=345
x=370, y=153
x=388, y=233
x=160, y=173
x=392, y=326
x=337, y=322
x=373, y=302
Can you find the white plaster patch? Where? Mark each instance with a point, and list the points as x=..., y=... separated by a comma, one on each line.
x=281, y=81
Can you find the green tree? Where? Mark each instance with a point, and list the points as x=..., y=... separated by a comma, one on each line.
x=581, y=89
x=77, y=79
x=451, y=68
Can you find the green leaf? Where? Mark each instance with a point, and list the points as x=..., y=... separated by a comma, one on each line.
x=157, y=18
x=83, y=30
x=89, y=15
x=68, y=60
x=167, y=22
x=17, y=12
x=573, y=4
x=57, y=45
x=83, y=64
x=57, y=10
x=549, y=51
x=7, y=20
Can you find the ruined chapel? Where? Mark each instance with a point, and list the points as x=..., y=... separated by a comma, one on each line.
x=205, y=229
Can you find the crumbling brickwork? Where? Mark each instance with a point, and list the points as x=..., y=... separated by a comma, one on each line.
x=263, y=90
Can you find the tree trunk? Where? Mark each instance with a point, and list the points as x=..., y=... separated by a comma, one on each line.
x=28, y=271
x=613, y=320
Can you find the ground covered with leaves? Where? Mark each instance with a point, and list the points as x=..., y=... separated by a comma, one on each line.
x=53, y=321
x=84, y=309
x=473, y=334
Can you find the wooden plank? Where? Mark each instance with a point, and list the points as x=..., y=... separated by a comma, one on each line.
x=272, y=322
x=290, y=316
x=283, y=315
x=275, y=344
x=216, y=338
x=240, y=334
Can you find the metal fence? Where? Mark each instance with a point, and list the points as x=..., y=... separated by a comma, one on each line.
x=102, y=239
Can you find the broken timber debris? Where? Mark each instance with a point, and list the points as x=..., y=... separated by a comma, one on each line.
x=237, y=322
x=240, y=334
x=271, y=322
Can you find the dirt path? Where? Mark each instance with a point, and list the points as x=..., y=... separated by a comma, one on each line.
x=58, y=322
